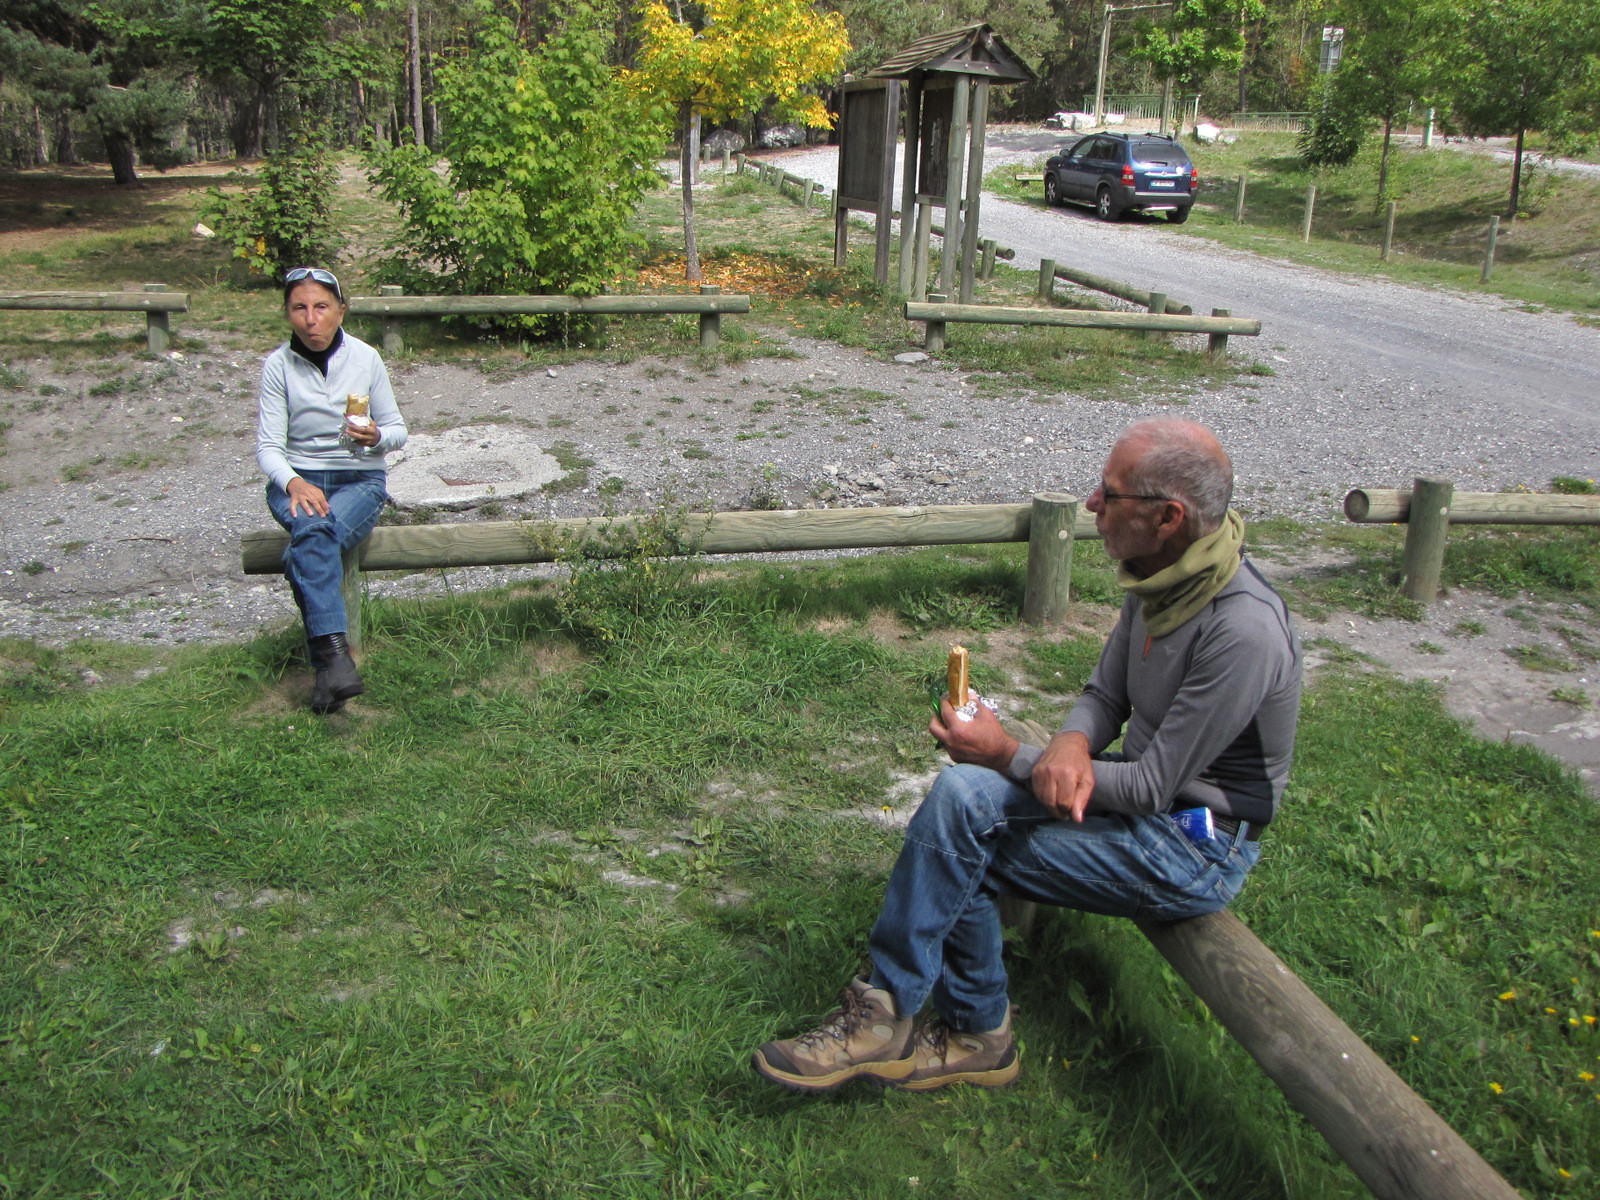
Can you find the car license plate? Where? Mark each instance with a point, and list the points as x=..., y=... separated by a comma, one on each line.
x=1162, y=183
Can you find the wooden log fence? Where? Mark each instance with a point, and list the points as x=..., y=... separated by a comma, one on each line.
x=393, y=307
x=154, y=301
x=515, y=543
x=936, y=315
x=1396, y=1144
x=1111, y=287
x=1433, y=505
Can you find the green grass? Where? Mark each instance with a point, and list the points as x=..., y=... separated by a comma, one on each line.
x=441, y=992
x=1444, y=197
x=1558, y=564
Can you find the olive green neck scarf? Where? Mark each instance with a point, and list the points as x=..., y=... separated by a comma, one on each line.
x=1175, y=594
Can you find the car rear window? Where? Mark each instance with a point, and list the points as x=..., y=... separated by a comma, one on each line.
x=1164, y=154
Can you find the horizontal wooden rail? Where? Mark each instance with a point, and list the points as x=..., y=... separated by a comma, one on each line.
x=1392, y=506
x=1394, y=1142
x=393, y=307
x=1123, y=291
x=500, y=543
x=97, y=301
x=438, y=306
x=1433, y=505
x=994, y=314
x=155, y=302
x=1005, y=252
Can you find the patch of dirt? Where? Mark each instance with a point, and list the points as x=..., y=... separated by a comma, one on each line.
x=1482, y=681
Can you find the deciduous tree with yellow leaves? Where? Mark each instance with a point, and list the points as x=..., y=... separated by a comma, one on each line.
x=729, y=58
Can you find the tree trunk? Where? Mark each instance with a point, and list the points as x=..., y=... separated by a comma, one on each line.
x=119, y=149
x=247, y=124
x=40, y=142
x=65, y=153
x=1244, y=61
x=1516, y=179
x=416, y=77
x=691, y=252
x=1383, y=161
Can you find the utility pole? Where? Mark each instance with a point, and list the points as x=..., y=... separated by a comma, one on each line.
x=1105, y=52
x=416, y=76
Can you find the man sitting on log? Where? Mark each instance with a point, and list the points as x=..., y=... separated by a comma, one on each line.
x=1200, y=677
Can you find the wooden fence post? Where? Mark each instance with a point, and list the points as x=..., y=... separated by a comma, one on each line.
x=158, y=325
x=1047, y=279
x=393, y=343
x=710, y=323
x=350, y=588
x=1217, y=346
x=1158, y=305
x=1427, y=525
x=726, y=152
x=933, y=338
x=1238, y=203
x=1049, y=587
x=1311, y=204
x=987, y=270
x=1488, y=250
x=1388, y=230
x=921, y=252
x=741, y=158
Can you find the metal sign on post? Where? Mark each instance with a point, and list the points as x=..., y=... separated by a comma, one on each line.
x=1332, y=48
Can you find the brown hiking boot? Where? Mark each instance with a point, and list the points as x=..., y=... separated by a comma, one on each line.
x=943, y=1056
x=862, y=1039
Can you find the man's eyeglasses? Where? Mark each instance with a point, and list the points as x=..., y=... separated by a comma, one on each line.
x=326, y=278
x=1108, y=495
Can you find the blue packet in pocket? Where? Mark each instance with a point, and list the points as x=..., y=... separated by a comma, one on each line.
x=1197, y=824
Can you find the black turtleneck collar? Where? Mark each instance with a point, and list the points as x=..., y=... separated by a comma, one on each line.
x=317, y=358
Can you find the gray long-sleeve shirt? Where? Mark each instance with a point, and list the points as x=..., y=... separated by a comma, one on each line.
x=301, y=412
x=1210, y=709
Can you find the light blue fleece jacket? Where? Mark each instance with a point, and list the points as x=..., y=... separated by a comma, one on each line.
x=301, y=413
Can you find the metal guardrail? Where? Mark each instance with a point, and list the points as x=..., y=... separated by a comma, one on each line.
x=1270, y=122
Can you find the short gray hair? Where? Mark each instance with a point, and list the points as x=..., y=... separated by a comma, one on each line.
x=1183, y=460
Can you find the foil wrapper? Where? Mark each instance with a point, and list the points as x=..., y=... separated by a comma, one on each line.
x=970, y=709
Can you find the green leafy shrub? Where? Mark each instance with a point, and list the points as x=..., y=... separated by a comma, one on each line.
x=285, y=221
x=547, y=157
x=1338, y=126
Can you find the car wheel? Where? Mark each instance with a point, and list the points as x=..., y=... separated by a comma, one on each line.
x=1178, y=216
x=1052, y=196
x=1103, y=206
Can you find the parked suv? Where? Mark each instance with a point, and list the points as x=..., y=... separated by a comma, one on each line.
x=1122, y=172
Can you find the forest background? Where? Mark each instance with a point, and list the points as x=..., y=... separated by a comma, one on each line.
x=159, y=82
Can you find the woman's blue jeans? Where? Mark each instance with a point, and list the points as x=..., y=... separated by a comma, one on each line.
x=978, y=835
x=313, y=560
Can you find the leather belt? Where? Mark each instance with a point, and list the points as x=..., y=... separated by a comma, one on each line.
x=1230, y=827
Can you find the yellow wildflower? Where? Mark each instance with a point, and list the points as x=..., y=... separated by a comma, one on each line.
x=1572, y=1020
x=1511, y=995
x=1496, y=1088
x=1586, y=1076
x=1415, y=1038
x=1564, y=1173
x=1550, y=1010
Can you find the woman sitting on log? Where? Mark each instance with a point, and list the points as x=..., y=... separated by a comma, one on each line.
x=327, y=416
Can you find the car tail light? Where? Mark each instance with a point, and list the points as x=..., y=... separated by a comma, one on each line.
x=1194, y=179
x=1127, y=175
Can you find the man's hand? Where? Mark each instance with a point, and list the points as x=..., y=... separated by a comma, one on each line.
x=981, y=740
x=304, y=495
x=1063, y=778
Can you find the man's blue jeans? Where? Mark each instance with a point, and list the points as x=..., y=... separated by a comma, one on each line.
x=977, y=835
x=312, y=560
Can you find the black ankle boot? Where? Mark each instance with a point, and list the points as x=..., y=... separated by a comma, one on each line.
x=337, y=678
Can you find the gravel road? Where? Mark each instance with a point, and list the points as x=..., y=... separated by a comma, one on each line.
x=127, y=484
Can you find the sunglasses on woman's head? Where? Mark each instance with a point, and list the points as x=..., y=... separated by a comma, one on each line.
x=326, y=278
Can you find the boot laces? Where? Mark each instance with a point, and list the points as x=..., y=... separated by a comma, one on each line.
x=841, y=1024
x=935, y=1036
